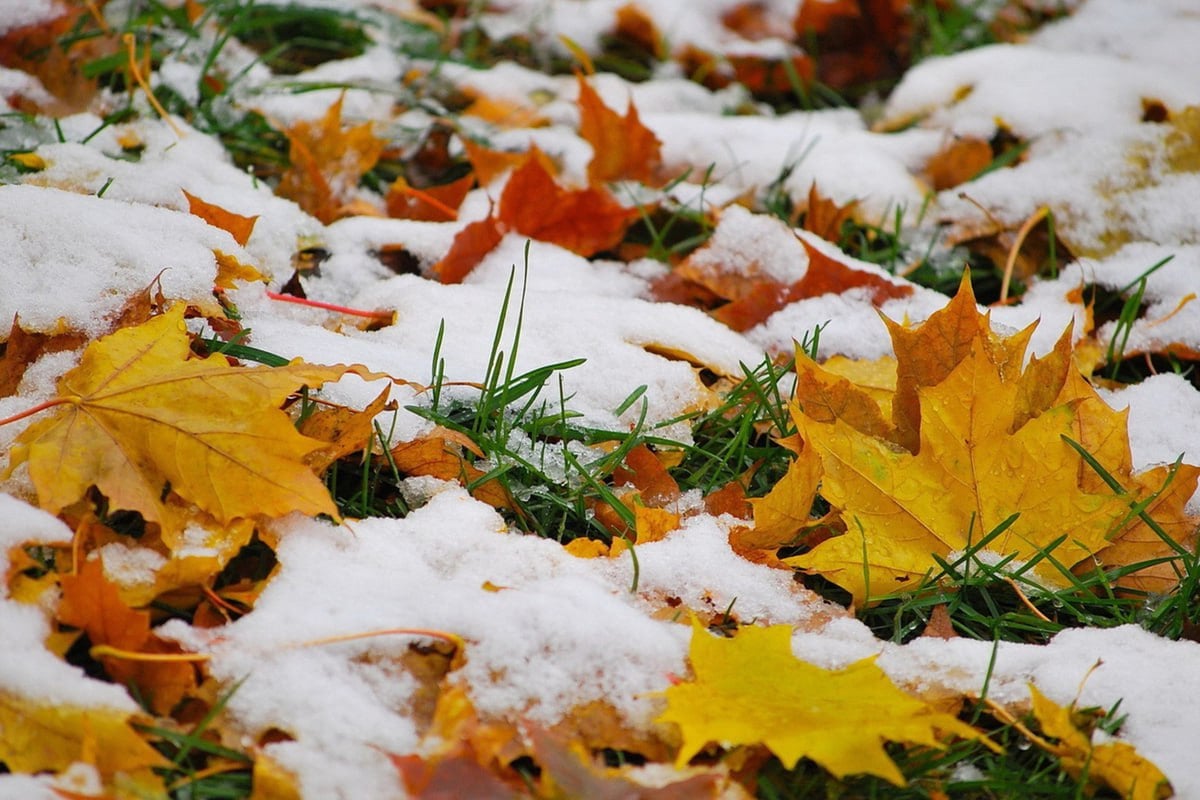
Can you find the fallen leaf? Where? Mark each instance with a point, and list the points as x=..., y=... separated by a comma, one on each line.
x=750, y=689
x=971, y=473
x=622, y=147
x=235, y=225
x=824, y=217
x=568, y=771
x=431, y=204
x=49, y=737
x=344, y=430
x=327, y=162
x=470, y=245
x=439, y=454
x=1114, y=764
x=138, y=414
x=1138, y=542
x=825, y=275
x=21, y=349
x=645, y=471
x=584, y=221
x=960, y=160
x=653, y=524
x=784, y=512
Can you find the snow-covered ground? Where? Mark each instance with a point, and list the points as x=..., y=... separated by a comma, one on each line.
x=565, y=631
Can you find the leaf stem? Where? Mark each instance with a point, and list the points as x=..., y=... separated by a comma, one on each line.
x=107, y=651
x=29, y=412
x=383, y=316
x=451, y=638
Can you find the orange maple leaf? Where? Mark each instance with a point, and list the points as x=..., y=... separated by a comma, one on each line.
x=431, y=204
x=825, y=275
x=327, y=162
x=138, y=415
x=622, y=147
x=93, y=604
x=471, y=244
x=584, y=221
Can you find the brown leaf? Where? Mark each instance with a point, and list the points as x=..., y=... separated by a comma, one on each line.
x=439, y=454
x=345, y=430
x=644, y=470
x=431, y=204
x=824, y=217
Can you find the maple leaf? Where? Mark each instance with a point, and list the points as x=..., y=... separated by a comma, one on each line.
x=439, y=454
x=344, y=429
x=137, y=415
x=1169, y=489
x=93, y=604
x=970, y=475
x=825, y=275
x=431, y=204
x=750, y=689
x=1114, y=764
x=622, y=147
x=471, y=244
x=327, y=162
x=783, y=512
x=22, y=348
x=584, y=221
x=37, y=737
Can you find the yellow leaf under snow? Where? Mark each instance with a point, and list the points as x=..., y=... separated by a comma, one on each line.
x=750, y=689
x=1114, y=764
x=138, y=415
x=44, y=737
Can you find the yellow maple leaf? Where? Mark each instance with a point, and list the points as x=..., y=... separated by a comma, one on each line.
x=36, y=737
x=970, y=475
x=138, y=415
x=1115, y=764
x=750, y=689
x=976, y=440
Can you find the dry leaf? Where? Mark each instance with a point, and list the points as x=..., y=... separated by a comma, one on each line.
x=327, y=162
x=21, y=349
x=39, y=737
x=584, y=221
x=1114, y=764
x=138, y=414
x=471, y=244
x=568, y=771
x=92, y=603
x=622, y=147
x=750, y=689
x=344, y=430
x=235, y=225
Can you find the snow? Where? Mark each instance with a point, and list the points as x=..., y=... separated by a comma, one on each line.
x=544, y=631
